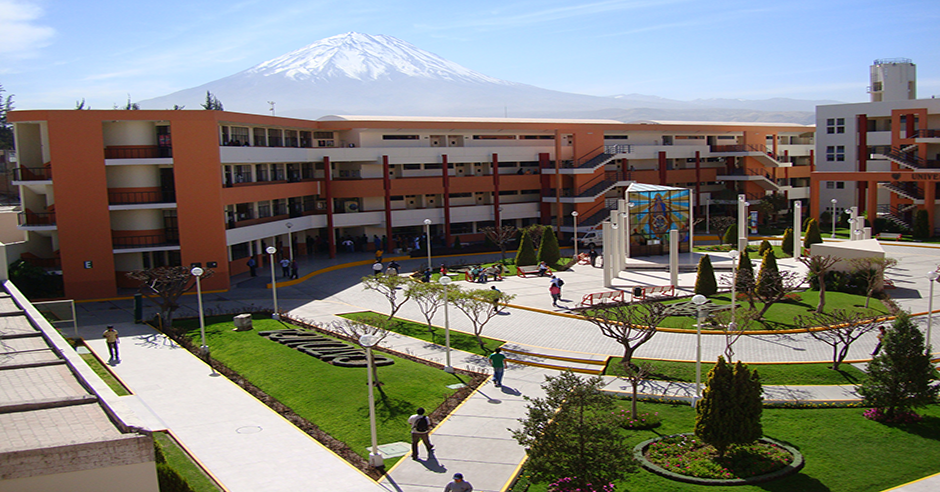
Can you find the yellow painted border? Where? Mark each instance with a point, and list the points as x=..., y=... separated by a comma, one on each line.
x=935, y=475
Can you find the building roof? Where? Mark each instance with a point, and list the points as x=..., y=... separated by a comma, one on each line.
x=456, y=119
x=643, y=187
x=796, y=126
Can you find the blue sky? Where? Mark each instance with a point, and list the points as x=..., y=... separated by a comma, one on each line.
x=55, y=52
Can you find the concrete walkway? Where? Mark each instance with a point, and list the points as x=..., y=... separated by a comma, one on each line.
x=171, y=386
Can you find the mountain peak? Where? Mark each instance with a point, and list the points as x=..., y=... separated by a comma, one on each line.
x=366, y=57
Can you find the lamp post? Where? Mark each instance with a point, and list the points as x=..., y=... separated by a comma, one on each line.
x=270, y=250
x=427, y=234
x=375, y=457
x=290, y=242
x=698, y=300
x=932, y=276
x=834, y=202
x=574, y=215
x=444, y=280
x=197, y=272
x=734, y=279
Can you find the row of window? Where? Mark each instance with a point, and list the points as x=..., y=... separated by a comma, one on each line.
x=835, y=153
x=238, y=136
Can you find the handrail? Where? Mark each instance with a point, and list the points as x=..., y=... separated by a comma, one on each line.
x=739, y=148
x=149, y=240
x=139, y=197
x=911, y=160
x=32, y=174
x=619, y=149
x=590, y=184
x=925, y=133
x=30, y=218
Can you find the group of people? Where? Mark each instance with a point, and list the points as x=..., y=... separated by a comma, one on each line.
x=393, y=267
x=480, y=275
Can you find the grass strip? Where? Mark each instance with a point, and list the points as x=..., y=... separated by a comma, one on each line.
x=458, y=339
x=334, y=398
x=179, y=460
x=770, y=374
x=105, y=375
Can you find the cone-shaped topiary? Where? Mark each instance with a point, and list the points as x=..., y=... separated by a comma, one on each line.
x=921, y=225
x=731, y=235
x=525, y=256
x=548, y=250
x=812, y=234
x=806, y=222
x=705, y=282
x=730, y=409
x=745, y=275
x=787, y=244
x=764, y=246
x=769, y=282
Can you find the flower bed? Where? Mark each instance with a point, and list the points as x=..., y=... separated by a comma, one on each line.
x=685, y=458
x=643, y=421
x=903, y=417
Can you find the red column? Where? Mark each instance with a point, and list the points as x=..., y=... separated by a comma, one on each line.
x=930, y=195
x=496, y=188
x=545, y=209
x=872, y=203
x=662, y=168
x=387, y=182
x=328, y=186
x=446, y=197
x=698, y=178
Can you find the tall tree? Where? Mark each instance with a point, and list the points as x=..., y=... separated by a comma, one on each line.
x=6, y=129
x=730, y=409
x=786, y=244
x=820, y=266
x=429, y=297
x=480, y=306
x=744, y=277
x=501, y=236
x=164, y=286
x=872, y=269
x=844, y=327
x=388, y=286
x=212, y=102
x=525, y=256
x=630, y=325
x=812, y=234
x=571, y=432
x=900, y=377
x=768, y=279
x=705, y=282
x=548, y=249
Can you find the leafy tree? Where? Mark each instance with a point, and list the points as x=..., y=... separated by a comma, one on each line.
x=872, y=270
x=721, y=223
x=571, y=432
x=768, y=279
x=429, y=297
x=525, y=256
x=772, y=204
x=130, y=106
x=921, y=228
x=820, y=266
x=764, y=246
x=6, y=129
x=480, y=306
x=378, y=329
x=80, y=105
x=900, y=376
x=844, y=328
x=812, y=234
x=501, y=236
x=779, y=285
x=388, y=286
x=730, y=409
x=548, y=249
x=705, y=282
x=212, y=102
x=165, y=285
x=33, y=281
x=787, y=243
x=630, y=325
x=731, y=235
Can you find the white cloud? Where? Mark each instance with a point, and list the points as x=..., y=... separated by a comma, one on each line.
x=20, y=34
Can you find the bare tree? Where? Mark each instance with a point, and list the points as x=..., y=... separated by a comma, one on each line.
x=480, y=306
x=355, y=329
x=636, y=374
x=744, y=319
x=388, y=286
x=165, y=285
x=535, y=232
x=873, y=268
x=502, y=236
x=841, y=328
x=631, y=325
x=429, y=297
x=819, y=266
x=721, y=224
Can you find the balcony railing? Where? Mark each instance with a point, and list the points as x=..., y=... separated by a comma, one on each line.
x=138, y=152
x=32, y=174
x=140, y=197
x=34, y=219
x=145, y=241
x=926, y=134
x=739, y=148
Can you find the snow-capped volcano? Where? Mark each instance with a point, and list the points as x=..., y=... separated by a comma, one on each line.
x=365, y=57
x=364, y=74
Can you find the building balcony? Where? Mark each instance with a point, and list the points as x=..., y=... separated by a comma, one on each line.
x=146, y=241
x=140, y=197
x=137, y=152
x=30, y=219
x=32, y=174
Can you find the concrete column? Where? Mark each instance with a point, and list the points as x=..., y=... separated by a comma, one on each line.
x=692, y=219
x=797, y=229
x=608, y=261
x=616, y=251
x=628, y=232
x=742, y=223
x=866, y=233
x=674, y=257
x=853, y=213
x=624, y=224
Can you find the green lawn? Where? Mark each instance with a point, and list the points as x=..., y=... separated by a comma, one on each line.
x=178, y=460
x=333, y=398
x=844, y=452
x=770, y=374
x=105, y=374
x=458, y=339
x=751, y=251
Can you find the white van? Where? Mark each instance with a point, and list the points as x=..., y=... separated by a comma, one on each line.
x=593, y=239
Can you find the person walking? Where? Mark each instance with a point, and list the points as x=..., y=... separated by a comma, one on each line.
x=498, y=361
x=377, y=268
x=496, y=298
x=555, y=292
x=111, y=336
x=593, y=256
x=881, y=337
x=459, y=484
x=285, y=268
x=253, y=266
x=294, y=269
x=558, y=282
x=393, y=268
x=420, y=426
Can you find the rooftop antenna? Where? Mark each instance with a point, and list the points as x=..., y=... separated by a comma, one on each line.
x=272, y=107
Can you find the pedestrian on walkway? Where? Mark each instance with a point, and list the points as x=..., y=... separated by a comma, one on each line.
x=378, y=255
x=592, y=255
x=285, y=268
x=420, y=426
x=881, y=336
x=556, y=293
x=459, y=484
x=426, y=276
x=393, y=268
x=377, y=268
x=111, y=336
x=253, y=266
x=293, y=269
x=496, y=298
x=498, y=361
x=560, y=283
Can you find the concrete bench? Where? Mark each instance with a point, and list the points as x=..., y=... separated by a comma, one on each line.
x=584, y=259
x=889, y=235
x=602, y=297
x=525, y=271
x=646, y=290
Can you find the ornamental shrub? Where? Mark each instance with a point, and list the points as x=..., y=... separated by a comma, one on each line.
x=787, y=244
x=745, y=275
x=731, y=235
x=769, y=282
x=764, y=246
x=806, y=222
x=705, y=282
x=549, y=252
x=812, y=234
x=525, y=256
x=730, y=409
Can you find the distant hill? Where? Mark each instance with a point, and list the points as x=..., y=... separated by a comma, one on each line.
x=363, y=74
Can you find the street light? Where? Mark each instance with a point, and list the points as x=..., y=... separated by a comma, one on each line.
x=698, y=300
x=375, y=457
x=734, y=278
x=574, y=215
x=271, y=250
x=444, y=280
x=197, y=272
x=290, y=242
x=932, y=276
x=834, y=202
x=427, y=234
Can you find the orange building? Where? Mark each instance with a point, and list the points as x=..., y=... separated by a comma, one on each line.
x=108, y=192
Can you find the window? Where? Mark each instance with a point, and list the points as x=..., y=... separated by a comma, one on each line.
x=305, y=140
x=290, y=138
x=537, y=137
x=398, y=137
x=616, y=137
x=830, y=185
x=461, y=195
x=411, y=167
x=840, y=185
x=240, y=250
x=835, y=153
x=326, y=135
x=274, y=137
x=494, y=137
x=835, y=125
x=264, y=209
x=239, y=135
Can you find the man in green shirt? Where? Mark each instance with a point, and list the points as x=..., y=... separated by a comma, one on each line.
x=497, y=359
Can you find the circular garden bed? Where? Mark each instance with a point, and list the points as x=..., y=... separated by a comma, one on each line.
x=685, y=458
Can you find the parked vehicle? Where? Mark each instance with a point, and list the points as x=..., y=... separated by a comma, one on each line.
x=592, y=239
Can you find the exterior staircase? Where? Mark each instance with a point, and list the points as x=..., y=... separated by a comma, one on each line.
x=909, y=191
x=904, y=159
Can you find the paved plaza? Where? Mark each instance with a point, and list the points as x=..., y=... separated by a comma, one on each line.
x=248, y=447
